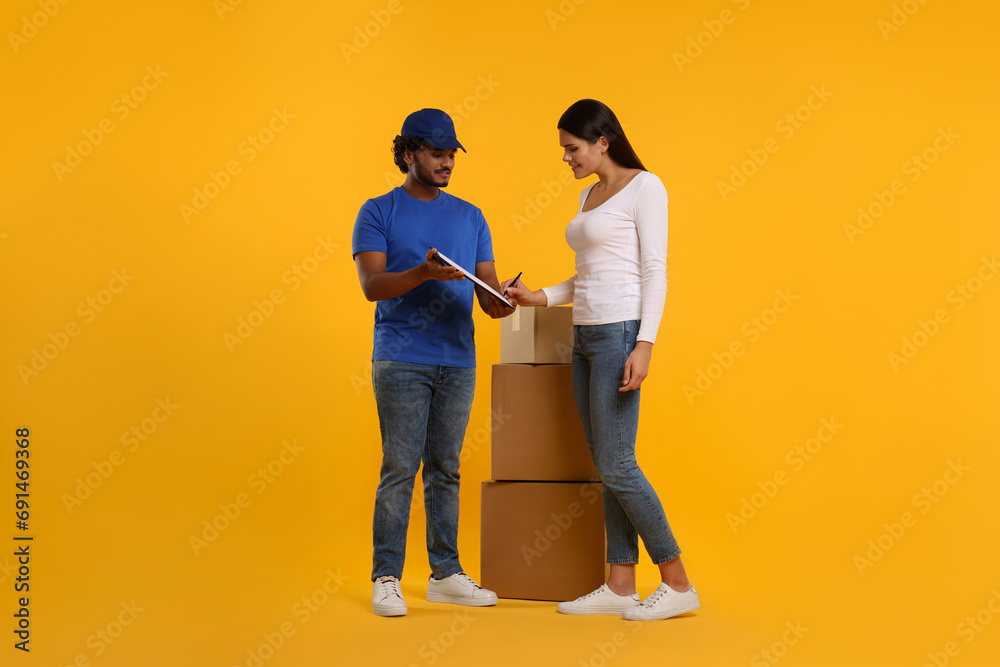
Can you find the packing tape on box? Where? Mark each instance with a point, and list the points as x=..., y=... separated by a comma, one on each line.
x=515, y=320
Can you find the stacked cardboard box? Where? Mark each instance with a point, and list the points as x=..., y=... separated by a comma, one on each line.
x=543, y=512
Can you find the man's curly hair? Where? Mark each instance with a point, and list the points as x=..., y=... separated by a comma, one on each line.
x=402, y=143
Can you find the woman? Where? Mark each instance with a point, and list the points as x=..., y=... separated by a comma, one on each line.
x=619, y=235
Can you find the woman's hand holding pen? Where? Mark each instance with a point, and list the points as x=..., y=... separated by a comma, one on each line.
x=518, y=293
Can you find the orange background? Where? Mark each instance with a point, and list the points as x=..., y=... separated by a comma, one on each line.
x=274, y=122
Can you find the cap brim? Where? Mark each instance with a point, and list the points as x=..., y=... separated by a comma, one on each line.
x=447, y=144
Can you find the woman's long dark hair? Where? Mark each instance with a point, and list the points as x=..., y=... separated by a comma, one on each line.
x=591, y=120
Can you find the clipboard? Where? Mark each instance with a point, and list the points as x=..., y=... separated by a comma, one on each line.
x=447, y=262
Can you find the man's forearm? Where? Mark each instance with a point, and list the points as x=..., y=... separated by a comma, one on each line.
x=389, y=285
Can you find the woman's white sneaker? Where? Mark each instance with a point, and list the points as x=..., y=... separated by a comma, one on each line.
x=387, y=599
x=459, y=588
x=663, y=603
x=602, y=601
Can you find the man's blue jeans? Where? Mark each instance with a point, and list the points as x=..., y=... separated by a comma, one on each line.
x=423, y=411
x=610, y=423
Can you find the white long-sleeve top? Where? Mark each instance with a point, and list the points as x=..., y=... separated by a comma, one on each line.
x=621, y=258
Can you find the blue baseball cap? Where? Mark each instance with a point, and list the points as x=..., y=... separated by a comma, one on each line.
x=433, y=126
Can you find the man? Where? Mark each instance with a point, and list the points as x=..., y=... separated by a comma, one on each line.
x=423, y=364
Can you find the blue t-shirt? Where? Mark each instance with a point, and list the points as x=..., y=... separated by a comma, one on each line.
x=432, y=323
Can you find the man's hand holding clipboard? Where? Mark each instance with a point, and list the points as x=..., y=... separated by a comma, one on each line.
x=507, y=305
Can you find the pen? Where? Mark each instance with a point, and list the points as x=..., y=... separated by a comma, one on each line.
x=513, y=282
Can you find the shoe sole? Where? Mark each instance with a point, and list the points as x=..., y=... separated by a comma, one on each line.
x=389, y=612
x=466, y=602
x=676, y=612
x=613, y=611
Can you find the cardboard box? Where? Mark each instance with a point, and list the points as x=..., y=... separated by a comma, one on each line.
x=537, y=433
x=537, y=336
x=542, y=540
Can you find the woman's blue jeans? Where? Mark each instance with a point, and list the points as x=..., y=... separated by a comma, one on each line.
x=610, y=422
x=423, y=411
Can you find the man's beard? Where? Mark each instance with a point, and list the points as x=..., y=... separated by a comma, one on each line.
x=426, y=177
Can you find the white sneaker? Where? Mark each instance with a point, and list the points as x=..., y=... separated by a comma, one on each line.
x=387, y=599
x=663, y=603
x=602, y=601
x=459, y=589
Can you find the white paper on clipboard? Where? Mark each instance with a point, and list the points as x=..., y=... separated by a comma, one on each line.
x=476, y=280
